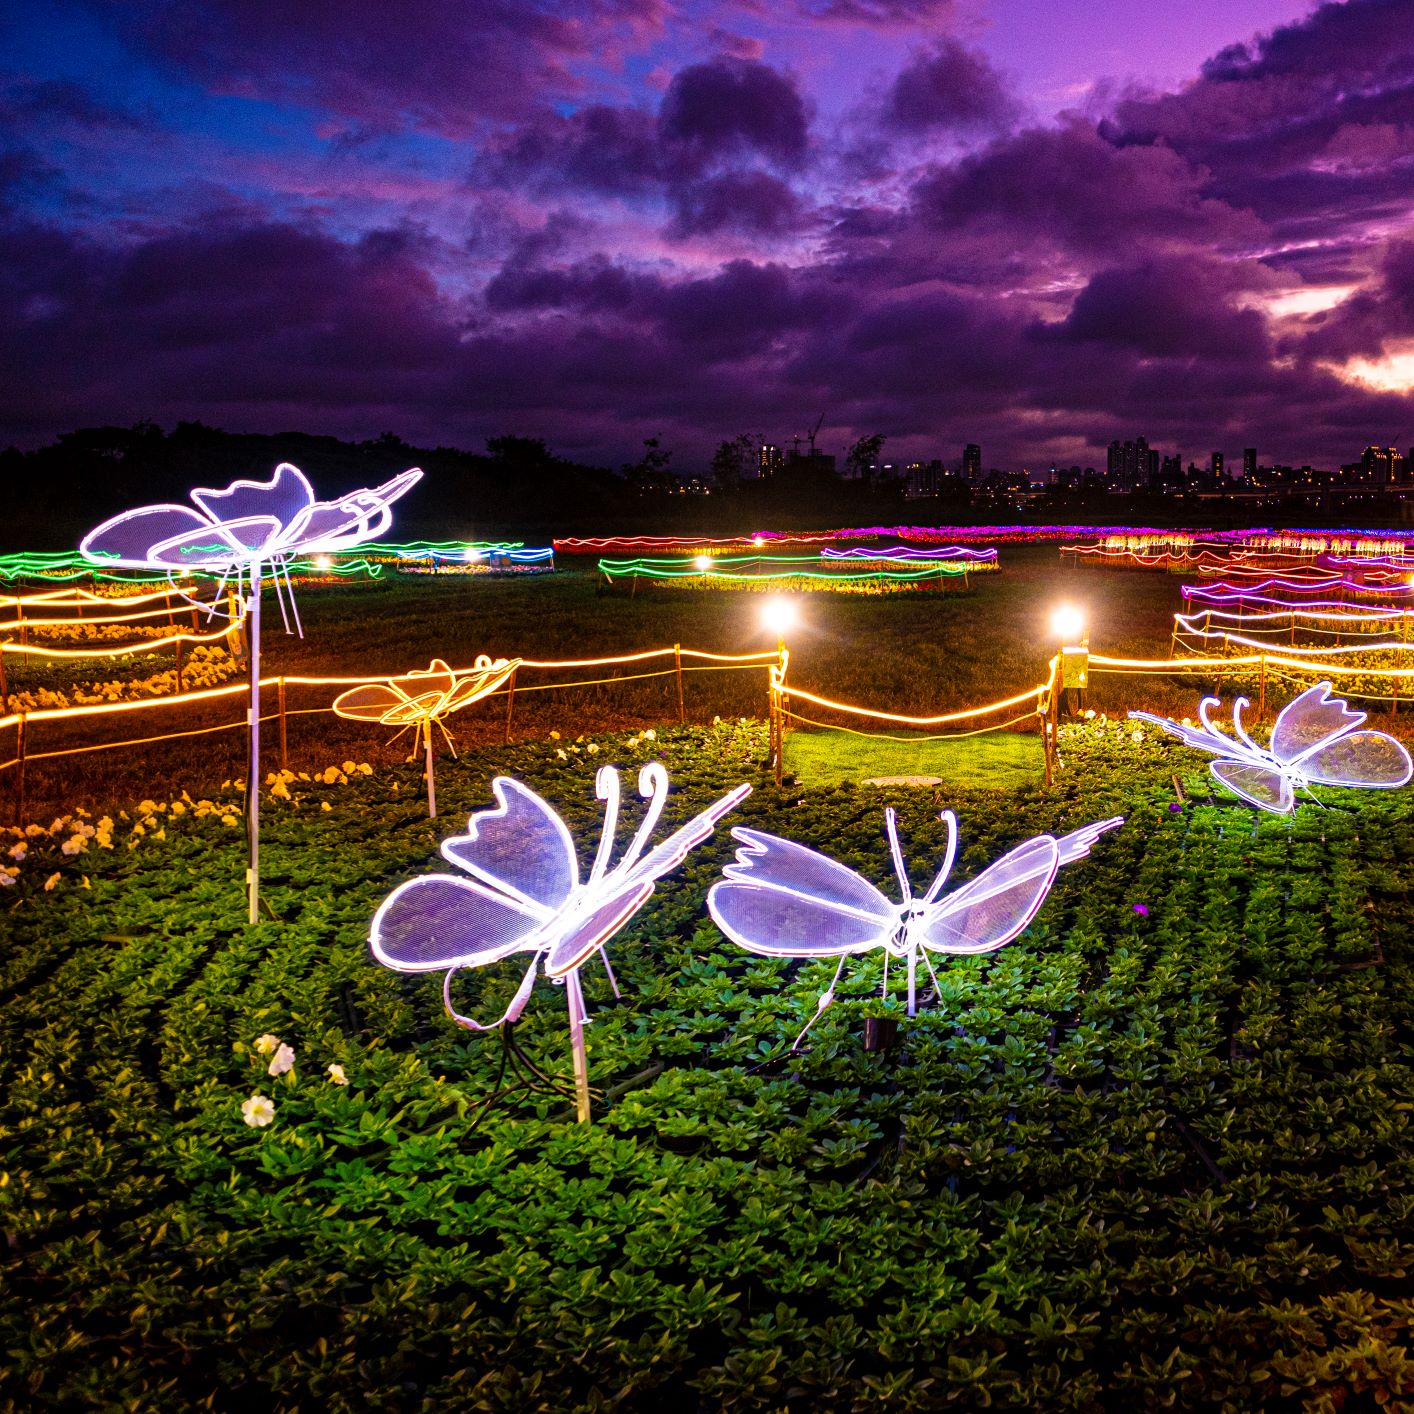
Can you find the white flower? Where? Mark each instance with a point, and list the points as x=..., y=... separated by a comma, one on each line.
x=76, y=844
x=1136, y=735
x=282, y=1061
x=593, y=748
x=560, y=752
x=651, y=734
x=265, y=1044
x=258, y=1111
x=336, y=1074
x=1089, y=714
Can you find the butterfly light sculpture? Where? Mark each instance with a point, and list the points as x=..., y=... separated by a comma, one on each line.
x=1315, y=741
x=781, y=899
x=423, y=698
x=521, y=892
x=237, y=532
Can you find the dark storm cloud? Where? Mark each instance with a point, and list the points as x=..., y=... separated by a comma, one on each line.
x=746, y=203
x=60, y=101
x=440, y=64
x=1311, y=127
x=598, y=149
x=1168, y=308
x=949, y=86
x=1368, y=320
x=1069, y=184
x=880, y=14
x=730, y=107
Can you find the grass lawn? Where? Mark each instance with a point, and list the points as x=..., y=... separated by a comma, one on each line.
x=1002, y=761
x=1156, y=1153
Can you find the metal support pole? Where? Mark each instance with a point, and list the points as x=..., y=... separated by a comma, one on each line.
x=4, y=688
x=284, y=752
x=179, y=667
x=510, y=706
x=1262, y=687
x=431, y=784
x=252, y=775
x=574, y=997
x=20, y=771
x=677, y=661
x=913, y=981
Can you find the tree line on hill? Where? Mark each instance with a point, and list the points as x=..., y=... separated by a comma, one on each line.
x=517, y=487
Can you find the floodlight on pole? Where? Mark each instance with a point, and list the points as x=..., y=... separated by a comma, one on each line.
x=1068, y=623
x=703, y=562
x=777, y=616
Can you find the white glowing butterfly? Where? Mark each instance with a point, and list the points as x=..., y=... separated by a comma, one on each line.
x=524, y=895
x=1314, y=742
x=781, y=899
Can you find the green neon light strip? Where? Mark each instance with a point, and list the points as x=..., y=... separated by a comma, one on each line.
x=717, y=571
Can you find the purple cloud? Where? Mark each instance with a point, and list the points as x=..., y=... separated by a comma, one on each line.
x=952, y=87
x=744, y=203
x=731, y=106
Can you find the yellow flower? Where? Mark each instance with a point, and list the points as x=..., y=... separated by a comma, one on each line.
x=336, y=1074
x=50, y=882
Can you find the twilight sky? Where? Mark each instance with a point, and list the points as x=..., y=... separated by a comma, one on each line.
x=1037, y=224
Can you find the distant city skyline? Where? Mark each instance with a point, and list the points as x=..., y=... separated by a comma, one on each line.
x=1033, y=227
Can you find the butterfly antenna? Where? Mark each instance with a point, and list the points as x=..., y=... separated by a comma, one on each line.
x=1241, y=731
x=826, y=997
x=653, y=787
x=891, y=827
x=941, y=878
x=1204, y=707
x=607, y=788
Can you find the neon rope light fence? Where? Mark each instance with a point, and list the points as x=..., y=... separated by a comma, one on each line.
x=908, y=554
x=236, y=533
x=422, y=699
x=520, y=892
x=772, y=571
x=780, y=899
x=1315, y=742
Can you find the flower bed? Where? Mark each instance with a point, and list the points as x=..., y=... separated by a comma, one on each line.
x=1157, y=1153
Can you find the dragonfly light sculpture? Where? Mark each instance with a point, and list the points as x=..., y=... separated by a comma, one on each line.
x=521, y=892
x=782, y=899
x=240, y=533
x=1315, y=741
x=422, y=699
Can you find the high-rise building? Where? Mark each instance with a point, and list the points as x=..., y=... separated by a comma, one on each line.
x=1379, y=464
x=770, y=461
x=972, y=463
x=1249, y=463
x=1217, y=465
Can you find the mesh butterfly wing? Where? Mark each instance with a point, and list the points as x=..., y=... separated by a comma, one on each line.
x=1212, y=742
x=523, y=871
x=1266, y=787
x=992, y=909
x=781, y=899
x=1316, y=734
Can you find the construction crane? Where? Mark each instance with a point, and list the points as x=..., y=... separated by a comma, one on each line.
x=811, y=435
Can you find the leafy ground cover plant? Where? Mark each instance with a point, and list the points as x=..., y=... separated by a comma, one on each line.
x=1155, y=1154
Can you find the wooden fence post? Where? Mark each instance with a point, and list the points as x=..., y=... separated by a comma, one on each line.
x=1262, y=688
x=677, y=662
x=510, y=706
x=4, y=688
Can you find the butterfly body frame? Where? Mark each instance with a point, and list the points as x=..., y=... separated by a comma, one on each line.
x=521, y=891
x=782, y=899
x=1316, y=740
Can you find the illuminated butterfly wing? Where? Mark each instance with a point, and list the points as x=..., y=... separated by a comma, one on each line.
x=1367, y=758
x=374, y=702
x=481, y=682
x=992, y=909
x=592, y=928
x=1266, y=787
x=781, y=899
x=442, y=921
x=1311, y=720
x=520, y=849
